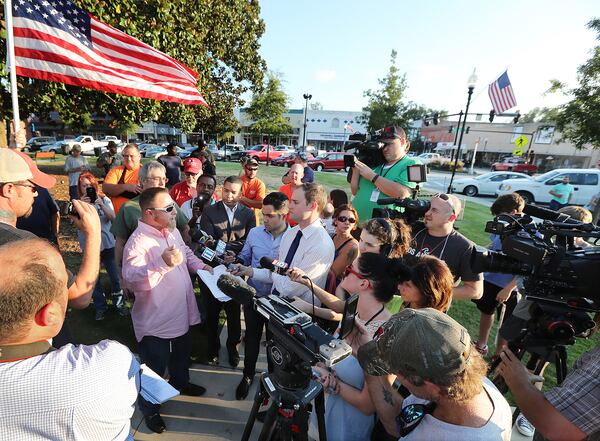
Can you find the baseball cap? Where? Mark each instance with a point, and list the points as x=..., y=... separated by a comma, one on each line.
x=250, y=161
x=425, y=342
x=192, y=165
x=39, y=178
x=391, y=132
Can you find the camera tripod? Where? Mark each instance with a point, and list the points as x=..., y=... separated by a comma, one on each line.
x=287, y=417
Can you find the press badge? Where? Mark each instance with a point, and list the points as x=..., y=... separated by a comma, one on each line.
x=375, y=195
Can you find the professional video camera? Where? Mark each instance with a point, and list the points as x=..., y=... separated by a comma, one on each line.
x=295, y=346
x=367, y=148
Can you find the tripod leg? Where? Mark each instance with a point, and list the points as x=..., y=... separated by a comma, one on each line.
x=270, y=424
x=320, y=410
x=258, y=399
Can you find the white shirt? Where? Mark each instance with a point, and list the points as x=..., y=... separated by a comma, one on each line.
x=78, y=392
x=230, y=212
x=186, y=209
x=314, y=256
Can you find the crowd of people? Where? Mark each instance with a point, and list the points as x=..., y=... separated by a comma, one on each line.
x=416, y=374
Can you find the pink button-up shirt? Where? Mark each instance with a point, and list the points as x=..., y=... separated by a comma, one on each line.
x=165, y=305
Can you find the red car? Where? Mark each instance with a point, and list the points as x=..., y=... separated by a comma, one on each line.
x=288, y=160
x=259, y=152
x=515, y=165
x=329, y=161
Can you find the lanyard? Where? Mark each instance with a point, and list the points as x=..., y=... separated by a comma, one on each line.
x=10, y=353
x=375, y=315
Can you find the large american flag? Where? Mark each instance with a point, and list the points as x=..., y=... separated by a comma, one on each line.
x=57, y=41
x=501, y=94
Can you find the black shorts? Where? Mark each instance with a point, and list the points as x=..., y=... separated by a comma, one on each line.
x=488, y=303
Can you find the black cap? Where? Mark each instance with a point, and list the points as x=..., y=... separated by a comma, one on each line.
x=391, y=132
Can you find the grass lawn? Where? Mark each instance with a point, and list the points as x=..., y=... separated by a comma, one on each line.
x=86, y=330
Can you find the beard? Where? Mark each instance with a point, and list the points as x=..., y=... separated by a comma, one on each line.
x=172, y=224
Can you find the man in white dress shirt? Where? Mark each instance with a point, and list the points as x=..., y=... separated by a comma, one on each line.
x=76, y=392
x=306, y=246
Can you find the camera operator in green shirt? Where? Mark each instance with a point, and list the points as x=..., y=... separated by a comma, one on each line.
x=387, y=180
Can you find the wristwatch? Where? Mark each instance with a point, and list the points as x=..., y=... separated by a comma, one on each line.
x=374, y=178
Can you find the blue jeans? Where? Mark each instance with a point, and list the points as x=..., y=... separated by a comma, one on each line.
x=107, y=257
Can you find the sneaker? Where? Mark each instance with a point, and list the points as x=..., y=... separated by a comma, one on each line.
x=119, y=303
x=524, y=426
x=99, y=315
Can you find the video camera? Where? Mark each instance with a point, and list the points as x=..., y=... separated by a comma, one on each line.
x=201, y=200
x=297, y=343
x=558, y=277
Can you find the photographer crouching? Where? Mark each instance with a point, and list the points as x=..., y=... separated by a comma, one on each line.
x=388, y=179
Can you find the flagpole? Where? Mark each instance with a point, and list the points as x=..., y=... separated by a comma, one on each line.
x=10, y=51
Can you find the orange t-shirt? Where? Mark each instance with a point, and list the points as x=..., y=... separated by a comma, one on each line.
x=288, y=190
x=114, y=177
x=254, y=189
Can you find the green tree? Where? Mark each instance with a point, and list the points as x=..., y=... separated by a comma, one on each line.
x=540, y=114
x=219, y=40
x=579, y=119
x=267, y=108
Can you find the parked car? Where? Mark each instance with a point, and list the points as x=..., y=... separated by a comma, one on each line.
x=154, y=151
x=288, y=160
x=586, y=183
x=230, y=150
x=56, y=147
x=486, y=183
x=87, y=143
x=34, y=144
x=259, y=152
x=427, y=158
x=516, y=164
x=329, y=161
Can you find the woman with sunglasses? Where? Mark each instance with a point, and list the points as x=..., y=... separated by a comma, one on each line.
x=345, y=221
x=88, y=191
x=349, y=409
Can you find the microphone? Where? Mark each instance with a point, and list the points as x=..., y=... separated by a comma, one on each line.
x=275, y=266
x=236, y=288
x=547, y=214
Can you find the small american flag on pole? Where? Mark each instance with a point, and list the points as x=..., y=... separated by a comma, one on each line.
x=501, y=94
x=57, y=41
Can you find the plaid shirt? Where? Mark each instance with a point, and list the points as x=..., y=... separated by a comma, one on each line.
x=578, y=397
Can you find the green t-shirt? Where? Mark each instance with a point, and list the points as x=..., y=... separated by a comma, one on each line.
x=130, y=213
x=397, y=173
x=564, y=190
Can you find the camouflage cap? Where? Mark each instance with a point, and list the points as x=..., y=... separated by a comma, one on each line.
x=424, y=342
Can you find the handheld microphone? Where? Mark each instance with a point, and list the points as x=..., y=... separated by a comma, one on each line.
x=236, y=288
x=547, y=214
x=275, y=266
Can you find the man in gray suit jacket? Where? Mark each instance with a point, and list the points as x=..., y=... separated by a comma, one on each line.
x=230, y=222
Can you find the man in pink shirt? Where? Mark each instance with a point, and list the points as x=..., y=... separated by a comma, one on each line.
x=156, y=266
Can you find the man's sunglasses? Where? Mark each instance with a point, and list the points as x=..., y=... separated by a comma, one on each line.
x=167, y=209
x=346, y=219
x=444, y=197
x=252, y=168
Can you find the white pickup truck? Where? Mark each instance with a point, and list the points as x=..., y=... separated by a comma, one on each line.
x=87, y=143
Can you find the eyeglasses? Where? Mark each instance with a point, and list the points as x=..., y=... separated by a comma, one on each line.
x=190, y=174
x=158, y=179
x=168, y=209
x=411, y=416
x=346, y=219
x=444, y=197
x=350, y=270
x=33, y=187
x=251, y=168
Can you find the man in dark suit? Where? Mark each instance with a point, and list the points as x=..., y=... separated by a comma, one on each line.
x=229, y=221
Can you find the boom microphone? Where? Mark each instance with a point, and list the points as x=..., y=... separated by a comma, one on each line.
x=236, y=288
x=547, y=214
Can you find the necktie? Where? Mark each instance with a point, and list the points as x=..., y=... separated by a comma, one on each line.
x=290, y=254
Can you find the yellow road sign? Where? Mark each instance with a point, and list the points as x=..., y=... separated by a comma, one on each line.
x=517, y=152
x=521, y=141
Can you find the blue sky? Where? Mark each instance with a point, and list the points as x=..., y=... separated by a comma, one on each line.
x=336, y=49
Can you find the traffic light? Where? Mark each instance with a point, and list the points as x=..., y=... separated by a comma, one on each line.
x=425, y=120
x=436, y=118
x=516, y=118
x=492, y=114
x=450, y=129
x=468, y=128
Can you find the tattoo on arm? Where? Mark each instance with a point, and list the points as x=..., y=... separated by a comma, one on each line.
x=387, y=396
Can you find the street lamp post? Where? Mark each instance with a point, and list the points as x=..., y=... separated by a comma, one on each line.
x=307, y=97
x=471, y=83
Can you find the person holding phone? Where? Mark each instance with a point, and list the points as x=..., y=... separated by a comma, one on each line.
x=348, y=408
x=88, y=191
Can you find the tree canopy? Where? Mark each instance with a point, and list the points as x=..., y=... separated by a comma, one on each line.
x=219, y=40
x=388, y=105
x=579, y=119
x=267, y=108
x=540, y=114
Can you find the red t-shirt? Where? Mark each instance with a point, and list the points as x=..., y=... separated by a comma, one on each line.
x=182, y=192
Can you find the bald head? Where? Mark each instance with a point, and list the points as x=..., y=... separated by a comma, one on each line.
x=33, y=275
x=296, y=174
